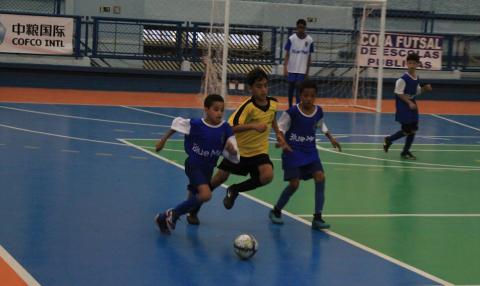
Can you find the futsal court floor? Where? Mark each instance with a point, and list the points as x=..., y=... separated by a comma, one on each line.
x=80, y=185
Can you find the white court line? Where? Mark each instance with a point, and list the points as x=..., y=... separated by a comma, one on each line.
x=151, y=112
x=61, y=136
x=454, y=121
x=83, y=118
x=416, y=150
x=395, y=161
x=393, y=215
x=297, y=218
x=420, y=136
x=26, y=277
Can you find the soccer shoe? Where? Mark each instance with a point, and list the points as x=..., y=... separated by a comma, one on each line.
x=386, y=144
x=170, y=219
x=161, y=223
x=276, y=218
x=192, y=218
x=319, y=224
x=408, y=156
x=229, y=199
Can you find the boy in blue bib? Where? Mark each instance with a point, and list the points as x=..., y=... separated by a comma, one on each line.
x=300, y=159
x=406, y=89
x=205, y=140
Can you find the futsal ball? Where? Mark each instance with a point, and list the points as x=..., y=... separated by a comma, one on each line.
x=245, y=246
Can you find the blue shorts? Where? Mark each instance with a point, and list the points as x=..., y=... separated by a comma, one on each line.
x=304, y=172
x=295, y=77
x=197, y=175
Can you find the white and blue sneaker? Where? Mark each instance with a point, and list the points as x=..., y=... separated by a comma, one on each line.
x=275, y=217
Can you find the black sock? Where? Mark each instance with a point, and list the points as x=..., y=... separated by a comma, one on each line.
x=318, y=216
x=408, y=143
x=246, y=186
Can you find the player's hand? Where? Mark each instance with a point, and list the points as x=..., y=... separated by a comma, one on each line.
x=336, y=145
x=281, y=143
x=285, y=70
x=427, y=87
x=412, y=105
x=231, y=149
x=159, y=146
x=260, y=127
x=284, y=146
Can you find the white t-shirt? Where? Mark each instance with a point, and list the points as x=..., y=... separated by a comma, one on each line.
x=299, y=50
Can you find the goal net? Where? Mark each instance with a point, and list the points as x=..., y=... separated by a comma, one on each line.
x=231, y=50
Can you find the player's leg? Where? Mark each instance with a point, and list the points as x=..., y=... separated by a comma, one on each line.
x=411, y=129
x=291, y=92
x=300, y=78
x=292, y=81
x=388, y=141
x=275, y=215
x=200, y=192
x=261, y=173
x=219, y=178
x=318, y=223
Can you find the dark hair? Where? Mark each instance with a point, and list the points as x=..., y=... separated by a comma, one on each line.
x=255, y=75
x=308, y=84
x=211, y=98
x=302, y=21
x=413, y=57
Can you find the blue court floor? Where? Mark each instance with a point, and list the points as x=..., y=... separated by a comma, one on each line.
x=77, y=206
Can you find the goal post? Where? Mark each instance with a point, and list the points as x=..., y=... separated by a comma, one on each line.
x=232, y=49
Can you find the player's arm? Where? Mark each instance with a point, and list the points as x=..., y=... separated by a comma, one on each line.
x=280, y=128
x=309, y=61
x=288, y=45
x=239, y=122
x=179, y=124
x=285, y=63
x=424, y=88
x=399, y=90
x=161, y=142
x=260, y=127
x=231, y=152
x=329, y=135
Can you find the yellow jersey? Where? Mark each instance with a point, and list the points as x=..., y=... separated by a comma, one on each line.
x=252, y=142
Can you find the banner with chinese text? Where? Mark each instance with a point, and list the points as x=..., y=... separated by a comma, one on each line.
x=36, y=35
x=397, y=47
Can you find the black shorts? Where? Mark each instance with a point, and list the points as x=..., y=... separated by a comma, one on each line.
x=410, y=127
x=247, y=165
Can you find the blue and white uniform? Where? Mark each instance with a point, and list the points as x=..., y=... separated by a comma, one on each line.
x=299, y=51
x=299, y=129
x=411, y=87
x=204, y=143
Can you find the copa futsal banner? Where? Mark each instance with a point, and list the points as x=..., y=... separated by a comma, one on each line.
x=397, y=47
x=36, y=35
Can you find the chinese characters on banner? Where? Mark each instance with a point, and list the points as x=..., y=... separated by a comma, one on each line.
x=397, y=47
x=36, y=35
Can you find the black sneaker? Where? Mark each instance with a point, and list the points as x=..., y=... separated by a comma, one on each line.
x=408, y=156
x=319, y=224
x=192, y=218
x=161, y=223
x=170, y=219
x=386, y=144
x=229, y=199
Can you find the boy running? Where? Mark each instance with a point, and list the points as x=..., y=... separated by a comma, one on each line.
x=251, y=124
x=299, y=124
x=406, y=89
x=205, y=140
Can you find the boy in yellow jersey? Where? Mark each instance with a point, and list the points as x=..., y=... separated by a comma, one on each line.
x=251, y=124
